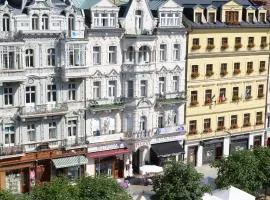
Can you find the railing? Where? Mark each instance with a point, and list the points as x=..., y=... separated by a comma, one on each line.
x=106, y=104
x=106, y=137
x=146, y=67
x=75, y=71
x=145, y=134
x=43, y=109
x=74, y=142
x=12, y=150
x=171, y=98
x=171, y=129
x=12, y=74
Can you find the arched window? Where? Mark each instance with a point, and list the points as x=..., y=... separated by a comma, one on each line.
x=51, y=57
x=138, y=21
x=130, y=54
x=143, y=123
x=45, y=22
x=144, y=54
x=5, y=22
x=29, y=58
x=71, y=23
x=35, y=22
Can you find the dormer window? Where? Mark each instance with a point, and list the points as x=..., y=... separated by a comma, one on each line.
x=232, y=17
x=211, y=17
x=250, y=17
x=169, y=19
x=104, y=19
x=262, y=17
x=5, y=22
x=71, y=23
x=45, y=22
x=35, y=22
x=198, y=17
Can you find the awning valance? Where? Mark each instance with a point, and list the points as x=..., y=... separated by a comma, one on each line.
x=69, y=161
x=113, y=152
x=167, y=149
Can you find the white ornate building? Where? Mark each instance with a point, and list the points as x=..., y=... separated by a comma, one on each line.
x=79, y=75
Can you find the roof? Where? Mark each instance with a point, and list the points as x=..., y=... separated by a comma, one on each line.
x=84, y=4
x=69, y=161
x=232, y=193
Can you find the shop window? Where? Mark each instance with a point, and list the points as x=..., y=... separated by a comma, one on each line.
x=257, y=141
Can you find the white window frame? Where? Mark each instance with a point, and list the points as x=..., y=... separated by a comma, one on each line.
x=35, y=22
x=143, y=88
x=176, y=52
x=112, y=89
x=175, y=84
x=6, y=22
x=31, y=132
x=144, y=54
x=96, y=130
x=143, y=123
x=52, y=130
x=161, y=85
x=10, y=57
x=138, y=20
x=96, y=89
x=112, y=54
x=97, y=55
x=51, y=57
x=51, y=93
x=169, y=19
x=45, y=22
x=130, y=55
x=72, y=127
x=71, y=22
x=29, y=58
x=8, y=95
x=77, y=55
x=31, y=93
x=163, y=52
x=72, y=91
x=9, y=132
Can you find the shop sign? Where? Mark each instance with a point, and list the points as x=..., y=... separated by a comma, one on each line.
x=140, y=144
x=106, y=147
x=167, y=139
x=175, y=129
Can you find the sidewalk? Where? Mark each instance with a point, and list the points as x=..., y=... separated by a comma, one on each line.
x=209, y=173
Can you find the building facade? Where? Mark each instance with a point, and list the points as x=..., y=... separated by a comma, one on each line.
x=227, y=73
x=85, y=91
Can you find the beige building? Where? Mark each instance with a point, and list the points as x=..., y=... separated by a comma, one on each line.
x=227, y=71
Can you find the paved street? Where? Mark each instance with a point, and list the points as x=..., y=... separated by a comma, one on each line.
x=210, y=174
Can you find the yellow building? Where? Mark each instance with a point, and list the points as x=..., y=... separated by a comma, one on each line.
x=227, y=72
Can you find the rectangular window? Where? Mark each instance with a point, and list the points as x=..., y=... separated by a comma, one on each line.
x=161, y=85
x=130, y=89
x=250, y=17
x=259, y=117
x=196, y=41
x=236, y=68
x=250, y=40
x=237, y=41
x=262, y=66
x=198, y=17
x=112, y=54
x=262, y=17
x=30, y=94
x=51, y=57
x=223, y=69
x=175, y=83
x=96, y=127
x=222, y=95
x=97, y=90
x=207, y=124
x=160, y=121
x=221, y=123
x=176, y=52
x=263, y=42
x=211, y=17
x=224, y=41
x=246, y=119
x=194, y=96
x=234, y=121
x=51, y=93
x=9, y=135
x=52, y=130
x=72, y=128
x=248, y=92
x=210, y=41
x=77, y=55
x=143, y=88
x=208, y=96
x=31, y=132
x=169, y=19
x=209, y=70
x=11, y=57
x=97, y=55
x=112, y=89
x=231, y=17
x=195, y=68
x=192, y=126
x=163, y=52
x=235, y=92
x=8, y=96
x=72, y=91
x=260, y=91
x=249, y=67
x=29, y=58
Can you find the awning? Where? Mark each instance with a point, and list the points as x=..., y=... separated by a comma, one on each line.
x=114, y=152
x=167, y=149
x=69, y=161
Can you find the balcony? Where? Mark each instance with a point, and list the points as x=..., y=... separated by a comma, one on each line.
x=138, y=68
x=105, y=138
x=171, y=98
x=11, y=151
x=74, y=143
x=106, y=104
x=140, y=135
x=12, y=75
x=43, y=110
x=74, y=72
x=180, y=130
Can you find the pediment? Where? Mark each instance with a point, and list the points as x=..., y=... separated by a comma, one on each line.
x=163, y=70
x=97, y=74
x=113, y=73
x=251, y=8
x=211, y=7
x=6, y=7
x=144, y=103
x=232, y=3
x=178, y=69
x=261, y=8
x=198, y=7
x=104, y=4
x=169, y=4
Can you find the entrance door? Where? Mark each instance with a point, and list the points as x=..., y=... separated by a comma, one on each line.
x=120, y=167
x=192, y=155
x=219, y=151
x=136, y=161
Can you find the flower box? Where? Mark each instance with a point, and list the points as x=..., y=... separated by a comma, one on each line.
x=220, y=128
x=263, y=45
x=251, y=45
x=193, y=132
x=210, y=46
x=196, y=47
x=236, y=71
x=195, y=75
x=209, y=73
x=249, y=70
x=262, y=69
x=207, y=130
x=207, y=102
x=238, y=46
x=259, y=122
x=194, y=103
x=248, y=97
x=234, y=126
x=224, y=46
x=260, y=95
x=235, y=98
x=247, y=124
x=223, y=73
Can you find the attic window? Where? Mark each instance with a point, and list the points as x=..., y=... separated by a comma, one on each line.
x=198, y=17
x=250, y=17
x=169, y=19
x=104, y=19
x=211, y=17
x=262, y=17
x=232, y=17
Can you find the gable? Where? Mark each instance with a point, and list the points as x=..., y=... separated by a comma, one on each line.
x=105, y=4
x=232, y=3
x=169, y=4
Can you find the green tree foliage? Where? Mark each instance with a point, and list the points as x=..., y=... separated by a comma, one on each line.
x=242, y=170
x=179, y=182
x=101, y=188
x=6, y=195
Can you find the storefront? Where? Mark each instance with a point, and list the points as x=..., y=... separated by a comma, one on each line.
x=212, y=150
x=257, y=141
x=112, y=161
x=192, y=155
x=72, y=167
x=239, y=143
x=162, y=152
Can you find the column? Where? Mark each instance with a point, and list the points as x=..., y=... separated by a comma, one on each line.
x=250, y=141
x=199, y=156
x=263, y=138
x=226, y=147
x=118, y=122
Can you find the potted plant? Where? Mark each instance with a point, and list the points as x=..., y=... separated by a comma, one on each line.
x=246, y=124
x=235, y=98
x=195, y=47
x=220, y=128
x=193, y=132
x=238, y=46
x=207, y=102
x=260, y=95
x=234, y=126
x=262, y=69
x=250, y=45
x=207, y=130
x=248, y=97
x=210, y=46
x=209, y=73
x=194, y=103
x=249, y=70
x=263, y=45
x=236, y=71
x=259, y=122
x=224, y=46
x=223, y=73
x=194, y=75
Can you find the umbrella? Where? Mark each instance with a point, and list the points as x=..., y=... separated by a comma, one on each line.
x=150, y=169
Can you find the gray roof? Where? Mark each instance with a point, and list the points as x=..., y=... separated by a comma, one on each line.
x=84, y=4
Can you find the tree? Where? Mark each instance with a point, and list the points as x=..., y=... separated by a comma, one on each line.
x=179, y=182
x=101, y=188
x=241, y=170
x=59, y=188
x=6, y=195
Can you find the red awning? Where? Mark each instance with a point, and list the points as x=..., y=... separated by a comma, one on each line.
x=114, y=152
